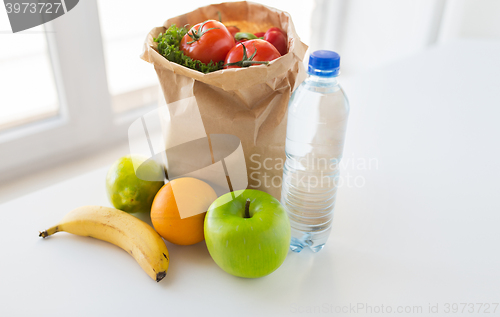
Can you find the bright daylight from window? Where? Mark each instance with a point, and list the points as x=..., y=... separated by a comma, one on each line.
x=27, y=72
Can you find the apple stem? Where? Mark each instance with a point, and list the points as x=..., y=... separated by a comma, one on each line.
x=247, y=208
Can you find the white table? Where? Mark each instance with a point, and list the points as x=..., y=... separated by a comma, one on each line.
x=424, y=227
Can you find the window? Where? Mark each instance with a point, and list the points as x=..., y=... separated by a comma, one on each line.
x=75, y=84
x=131, y=82
x=26, y=77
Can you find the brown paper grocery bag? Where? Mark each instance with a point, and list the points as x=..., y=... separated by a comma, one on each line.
x=250, y=103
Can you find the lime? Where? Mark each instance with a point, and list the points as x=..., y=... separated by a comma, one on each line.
x=126, y=190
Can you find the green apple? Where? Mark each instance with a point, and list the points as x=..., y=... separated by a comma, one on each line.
x=247, y=233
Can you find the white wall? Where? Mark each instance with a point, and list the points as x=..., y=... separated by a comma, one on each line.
x=481, y=19
x=471, y=19
x=370, y=33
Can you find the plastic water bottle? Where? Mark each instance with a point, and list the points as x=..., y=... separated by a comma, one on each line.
x=317, y=120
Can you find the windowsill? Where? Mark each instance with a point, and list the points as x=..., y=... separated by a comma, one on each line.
x=36, y=181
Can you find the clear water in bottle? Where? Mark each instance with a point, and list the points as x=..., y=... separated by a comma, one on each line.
x=317, y=120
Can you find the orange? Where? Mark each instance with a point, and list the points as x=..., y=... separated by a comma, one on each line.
x=179, y=209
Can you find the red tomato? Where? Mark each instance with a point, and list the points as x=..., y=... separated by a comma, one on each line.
x=207, y=41
x=256, y=51
x=232, y=29
x=277, y=29
x=259, y=34
x=276, y=37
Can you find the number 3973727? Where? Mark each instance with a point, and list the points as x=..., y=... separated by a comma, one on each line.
x=33, y=7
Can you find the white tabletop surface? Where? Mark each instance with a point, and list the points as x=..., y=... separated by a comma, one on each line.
x=417, y=221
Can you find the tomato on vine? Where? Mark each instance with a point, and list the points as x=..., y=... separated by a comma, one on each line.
x=251, y=52
x=207, y=41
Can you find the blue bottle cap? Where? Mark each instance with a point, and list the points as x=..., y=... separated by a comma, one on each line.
x=324, y=63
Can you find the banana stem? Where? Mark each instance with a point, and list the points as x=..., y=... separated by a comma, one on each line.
x=49, y=232
x=160, y=276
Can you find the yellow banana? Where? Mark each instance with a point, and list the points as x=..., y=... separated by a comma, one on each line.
x=136, y=237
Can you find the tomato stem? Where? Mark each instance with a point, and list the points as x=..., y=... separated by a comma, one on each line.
x=195, y=35
x=247, y=61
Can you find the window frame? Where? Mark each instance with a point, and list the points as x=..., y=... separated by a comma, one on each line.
x=86, y=121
